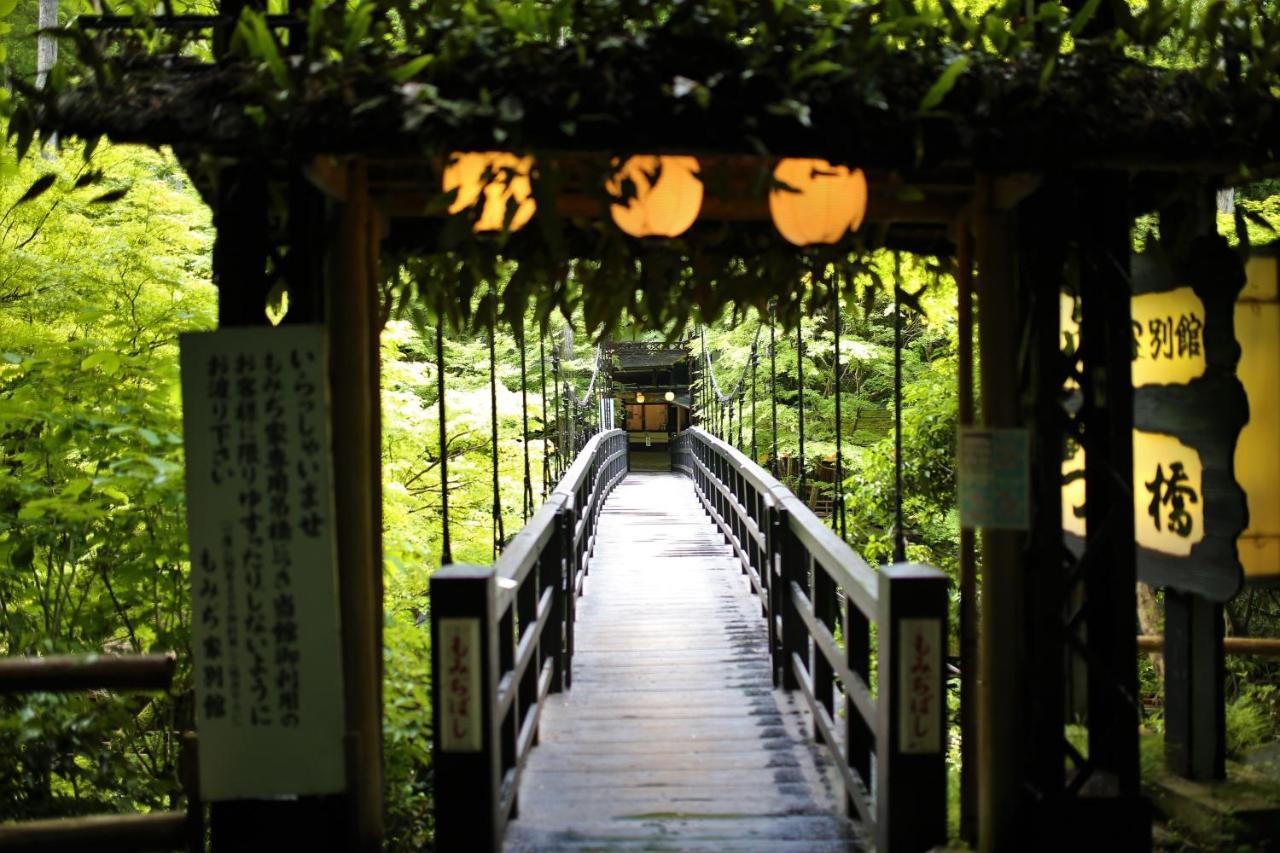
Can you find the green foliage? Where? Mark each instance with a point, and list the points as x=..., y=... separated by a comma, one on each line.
x=92, y=525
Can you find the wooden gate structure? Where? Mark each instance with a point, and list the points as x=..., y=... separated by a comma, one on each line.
x=1030, y=204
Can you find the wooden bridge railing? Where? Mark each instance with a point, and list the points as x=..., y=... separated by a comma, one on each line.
x=892, y=753
x=123, y=833
x=501, y=640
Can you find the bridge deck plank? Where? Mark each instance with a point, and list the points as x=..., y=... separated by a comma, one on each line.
x=672, y=737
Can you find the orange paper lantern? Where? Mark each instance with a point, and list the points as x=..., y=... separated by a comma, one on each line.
x=501, y=176
x=668, y=195
x=819, y=203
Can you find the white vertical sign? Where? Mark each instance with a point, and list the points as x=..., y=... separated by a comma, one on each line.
x=460, y=683
x=265, y=631
x=920, y=705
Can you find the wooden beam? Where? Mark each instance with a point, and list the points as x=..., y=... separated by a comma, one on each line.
x=69, y=673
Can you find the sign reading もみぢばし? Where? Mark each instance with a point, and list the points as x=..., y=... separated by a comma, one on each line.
x=265, y=633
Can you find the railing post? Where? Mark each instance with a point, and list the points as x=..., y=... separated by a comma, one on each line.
x=566, y=522
x=464, y=695
x=860, y=739
x=551, y=571
x=795, y=636
x=911, y=782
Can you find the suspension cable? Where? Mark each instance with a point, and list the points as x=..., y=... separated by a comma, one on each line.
x=555, y=386
x=446, y=551
x=800, y=394
x=755, y=358
x=837, y=502
x=499, y=535
x=773, y=386
x=526, y=503
x=899, y=535
x=542, y=376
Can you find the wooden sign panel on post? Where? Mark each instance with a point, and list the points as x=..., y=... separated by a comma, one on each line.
x=265, y=628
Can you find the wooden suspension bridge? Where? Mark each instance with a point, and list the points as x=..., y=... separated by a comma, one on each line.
x=681, y=661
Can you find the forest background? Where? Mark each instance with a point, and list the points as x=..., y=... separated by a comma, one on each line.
x=104, y=264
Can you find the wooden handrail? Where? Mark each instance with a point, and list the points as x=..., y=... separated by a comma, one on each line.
x=100, y=833
x=70, y=673
x=799, y=568
x=1263, y=647
x=521, y=612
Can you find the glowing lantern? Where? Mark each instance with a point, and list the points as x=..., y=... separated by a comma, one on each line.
x=668, y=195
x=502, y=177
x=639, y=396
x=670, y=395
x=823, y=202
x=1257, y=462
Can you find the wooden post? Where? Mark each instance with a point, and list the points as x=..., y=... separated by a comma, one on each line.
x=1000, y=736
x=911, y=736
x=353, y=375
x=1110, y=564
x=551, y=575
x=859, y=737
x=968, y=561
x=465, y=746
x=1195, y=703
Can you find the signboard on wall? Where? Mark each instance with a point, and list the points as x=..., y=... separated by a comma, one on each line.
x=265, y=632
x=1189, y=410
x=994, y=478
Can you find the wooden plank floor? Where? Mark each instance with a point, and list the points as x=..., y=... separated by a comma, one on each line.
x=672, y=737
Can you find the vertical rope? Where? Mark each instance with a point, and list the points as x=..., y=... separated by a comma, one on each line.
x=773, y=387
x=542, y=376
x=741, y=397
x=555, y=390
x=899, y=536
x=800, y=393
x=446, y=550
x=728, y=404
x=755, y=359
x=498, y=533
x=527, y=497
x=837, y=498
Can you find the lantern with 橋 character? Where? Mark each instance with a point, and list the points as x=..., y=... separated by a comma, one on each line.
x=655, y=195
x=816, y=203
x=503, y=180
x=1199, y=455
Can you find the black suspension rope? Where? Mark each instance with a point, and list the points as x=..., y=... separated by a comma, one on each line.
x=837, y=502
x=899, y=535
x=800, y=395
x=446, y=550
x=542, y=375
x=728, y=405
x=773, y=386
x=741, y=396
x=755, y=358
x=527, y=498
x=555, y=385
x=499, y=535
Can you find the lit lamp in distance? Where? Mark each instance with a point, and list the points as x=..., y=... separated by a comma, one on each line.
x=816, y=203
x=670, y=396
x=639, y=396
x=667, y=195
x=502, y=178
